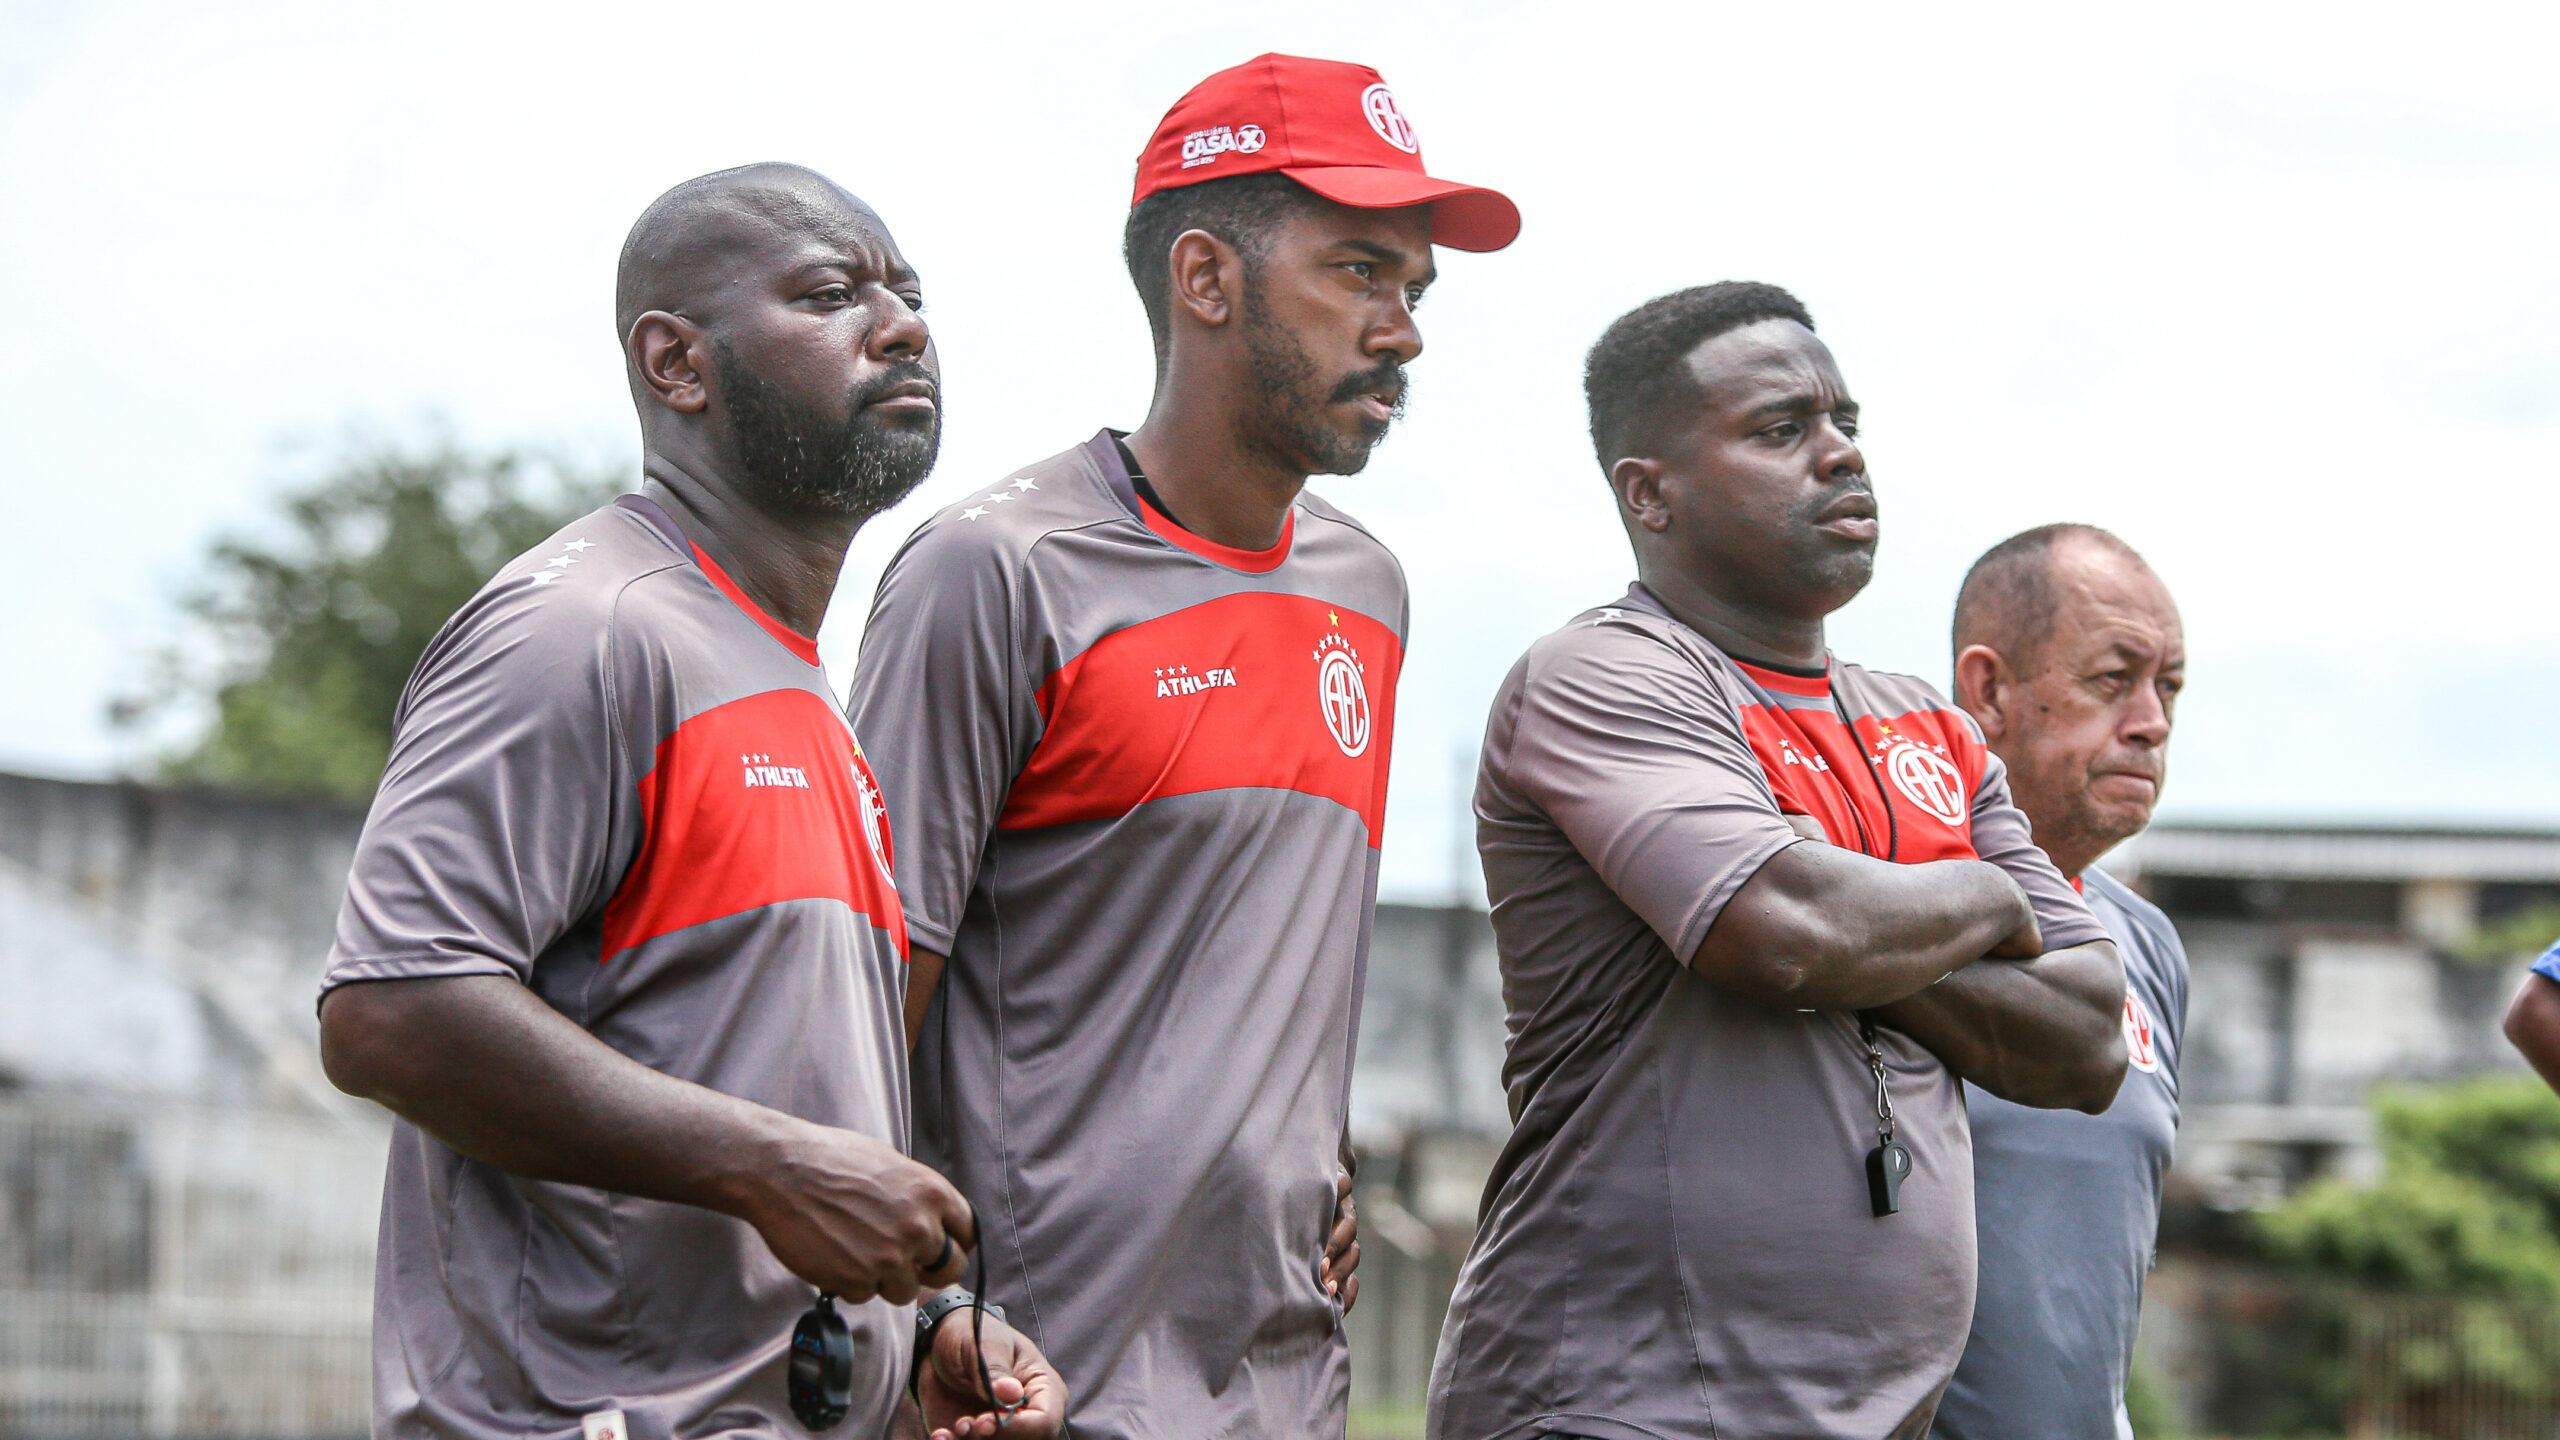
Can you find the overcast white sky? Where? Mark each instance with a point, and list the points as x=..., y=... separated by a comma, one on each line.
x=2270, y=292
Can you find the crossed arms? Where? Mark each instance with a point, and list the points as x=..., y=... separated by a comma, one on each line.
x=1947, y=953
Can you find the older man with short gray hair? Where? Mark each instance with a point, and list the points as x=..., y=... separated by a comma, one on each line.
x=2070, y=656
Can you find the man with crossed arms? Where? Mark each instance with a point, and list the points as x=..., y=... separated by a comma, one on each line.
x=1132, y=708
x=1757, y=910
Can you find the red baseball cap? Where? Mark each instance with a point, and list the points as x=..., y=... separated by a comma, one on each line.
x=1332, y=127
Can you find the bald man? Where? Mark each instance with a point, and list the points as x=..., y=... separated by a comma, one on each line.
x=621, y=946
x=2069, y=655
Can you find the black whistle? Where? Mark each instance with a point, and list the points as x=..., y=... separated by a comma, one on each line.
x=821, y=1379
x=1887, y=1165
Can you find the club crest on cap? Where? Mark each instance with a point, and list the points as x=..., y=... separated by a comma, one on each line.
x=1387, y=118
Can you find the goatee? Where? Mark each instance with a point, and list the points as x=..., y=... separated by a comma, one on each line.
x=855, y=463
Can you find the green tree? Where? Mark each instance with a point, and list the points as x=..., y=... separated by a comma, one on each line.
x=2449, y=1324
x=2468, y=1205
x=311, y=635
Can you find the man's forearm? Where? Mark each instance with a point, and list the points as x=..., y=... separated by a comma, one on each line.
x=2047, y=1032
x=482, y=1064
x=1822, y=928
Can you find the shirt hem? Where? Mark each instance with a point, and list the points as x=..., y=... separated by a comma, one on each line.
x=1702, y=916
x=409, y=967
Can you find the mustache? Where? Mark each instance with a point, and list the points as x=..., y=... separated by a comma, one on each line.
x=1839, y=503
x=902, y=372
x=1386, y=378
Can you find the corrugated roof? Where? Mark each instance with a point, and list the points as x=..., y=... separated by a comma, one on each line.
x=2316, y=852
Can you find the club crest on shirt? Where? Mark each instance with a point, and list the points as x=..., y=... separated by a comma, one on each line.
x=2139, y=1046
x=1930, y=780
x=873, y=809
x=1342, y=697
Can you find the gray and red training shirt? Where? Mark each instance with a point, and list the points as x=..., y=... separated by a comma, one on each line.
x=1677, y=1240
x=1138, y=779
x=618, y=781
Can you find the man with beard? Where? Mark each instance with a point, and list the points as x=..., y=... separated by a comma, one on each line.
x=2070, y=656
x=621, y=946
x=1756, y=909
x=1133, y=705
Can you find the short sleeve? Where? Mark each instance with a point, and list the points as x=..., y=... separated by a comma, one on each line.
x=492, y=834
x=1635, y=753
x=2002, y=835
x=2549, y=965
x=943, y=715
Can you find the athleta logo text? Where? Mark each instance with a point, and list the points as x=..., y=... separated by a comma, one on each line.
x=761, y=770
x=1202, y=146
x=1177, y=680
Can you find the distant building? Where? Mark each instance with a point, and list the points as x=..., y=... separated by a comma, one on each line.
x=187, y=1209
x=2326, y=958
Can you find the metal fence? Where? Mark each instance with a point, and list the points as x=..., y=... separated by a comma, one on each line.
x=178, y=1273
x=2451, y=1370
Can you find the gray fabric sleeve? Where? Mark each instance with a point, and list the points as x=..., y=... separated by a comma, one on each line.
x=493, y=830
x=944, y=714
x=1640, y=760
x=2002, y=836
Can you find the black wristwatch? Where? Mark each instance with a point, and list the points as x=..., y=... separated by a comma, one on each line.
x=929, y=1317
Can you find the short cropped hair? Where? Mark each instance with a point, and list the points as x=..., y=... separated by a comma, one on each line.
x=1635, y=369
x=1242, y=210
x=2009, y=593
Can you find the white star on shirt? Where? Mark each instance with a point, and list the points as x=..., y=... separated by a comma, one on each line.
x=1000, y=497
x=561, y=562
x=973, y=512
x=1026, y=483
x=581, y=543
x=1612, y=614
x=543, y=577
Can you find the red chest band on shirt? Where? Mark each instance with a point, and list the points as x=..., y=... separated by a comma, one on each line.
x=753, y=803
x=1247, y=691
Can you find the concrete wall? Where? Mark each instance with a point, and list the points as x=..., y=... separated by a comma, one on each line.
x=251, y=883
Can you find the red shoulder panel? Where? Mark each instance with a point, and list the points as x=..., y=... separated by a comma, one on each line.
x=1276, y=691
x=750, y=804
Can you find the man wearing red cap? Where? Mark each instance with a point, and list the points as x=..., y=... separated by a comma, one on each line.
x=1131, y=710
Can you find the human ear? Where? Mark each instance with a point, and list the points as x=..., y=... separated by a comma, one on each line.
x=1206, y=273
x=1638, y=483
x=1983, y=685
x=664, y=351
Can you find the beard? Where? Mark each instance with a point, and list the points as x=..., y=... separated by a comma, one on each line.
x=1288, y=418
x=809, y=459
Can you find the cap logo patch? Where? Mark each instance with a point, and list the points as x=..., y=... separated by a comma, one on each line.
x=1387, y=118
x=1202, y=146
